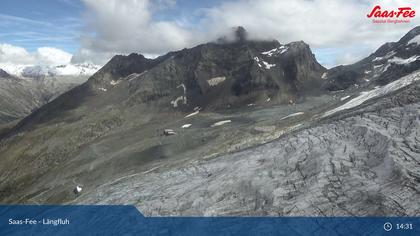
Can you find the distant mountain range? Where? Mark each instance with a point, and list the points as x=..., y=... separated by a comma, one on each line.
x=34, y=71
x=238, y=127
x=25, y=88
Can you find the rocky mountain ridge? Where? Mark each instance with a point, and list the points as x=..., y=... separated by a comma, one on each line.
x=216, y=75
x=390, y=61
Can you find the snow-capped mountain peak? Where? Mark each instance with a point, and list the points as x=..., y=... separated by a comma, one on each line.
x=38, y=71
x=77, y=69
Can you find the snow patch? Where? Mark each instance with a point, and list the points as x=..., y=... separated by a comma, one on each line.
x=113, y=82
x=380, y=69
x=77, y=69
x=415, y=40
x=387, y=56
x=186, y=126
x=130, y=77
x=103, y=89
x=344, y=98
x=221, y=123
x=377, y=58
x=324, y=76
x=258, y=61
x=377, y=92
x=274, y=51
x=390, y=54
x=177, y=100
x=269, y=128
x=182, y=98
x=268, y=65
x=401, y=61
x=183, y=87
x=78, y=189
x=386, y=68
x=216, y=80
x=292, y=115
x=192, y=114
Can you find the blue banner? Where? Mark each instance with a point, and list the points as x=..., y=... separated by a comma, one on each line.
x=127, y=220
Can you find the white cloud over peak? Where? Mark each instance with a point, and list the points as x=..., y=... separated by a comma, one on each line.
x=122, y=27
x=128, y=26
x=42, y=56
x=14, y=58
x=336, y=29
x=13, y=54
x=52, y=56
x=323, y=24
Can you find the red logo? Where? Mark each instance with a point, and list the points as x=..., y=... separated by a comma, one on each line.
x=402, y=15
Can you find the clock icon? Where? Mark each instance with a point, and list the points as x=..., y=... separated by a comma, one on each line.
x=387, y=226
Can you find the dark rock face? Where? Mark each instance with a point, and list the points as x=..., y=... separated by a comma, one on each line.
x=232, y=74
x=121, y=66
x=389, y=62
x=240, y=34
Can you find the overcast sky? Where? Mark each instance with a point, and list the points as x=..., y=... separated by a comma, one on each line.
x=55, y=32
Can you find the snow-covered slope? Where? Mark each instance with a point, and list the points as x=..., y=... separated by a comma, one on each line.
x=377, y=92
x=77, y=69
x=38, y=71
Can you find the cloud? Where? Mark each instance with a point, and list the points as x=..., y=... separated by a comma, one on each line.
x=128, y=26
x=15, y=55
x=92, y=56
x=321, y=23
x=52, y=56
x=122, y=27
x=10, y=54
x=347, y=58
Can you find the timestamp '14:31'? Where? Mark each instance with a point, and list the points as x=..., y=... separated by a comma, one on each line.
x=404, y=226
